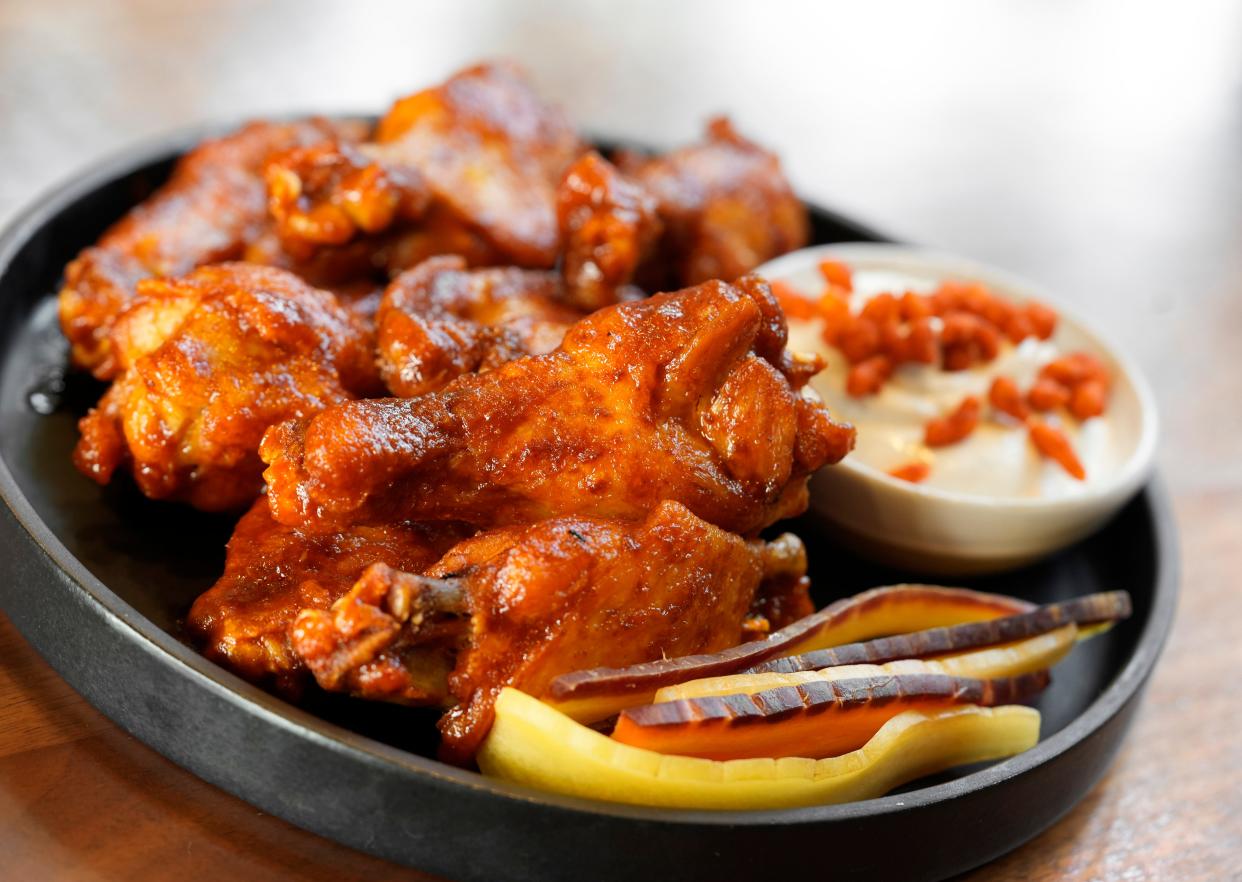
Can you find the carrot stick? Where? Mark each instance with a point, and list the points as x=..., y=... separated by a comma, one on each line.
x=816, y=719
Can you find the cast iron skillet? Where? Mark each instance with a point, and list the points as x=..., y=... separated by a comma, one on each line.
x=98, y=581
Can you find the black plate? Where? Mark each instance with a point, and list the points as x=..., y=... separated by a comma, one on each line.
x=98, y=581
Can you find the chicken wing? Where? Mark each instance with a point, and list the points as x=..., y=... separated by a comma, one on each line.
x=440, y=320
x=214, y=204
x=481, y=148
x=726, y=208
x=688, y=396
x=327, y=193
x=526, y=604
x=272, y=572
x=608, y=226
x=209, y=361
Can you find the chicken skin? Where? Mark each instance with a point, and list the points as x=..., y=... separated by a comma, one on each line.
x=273, y=572
x=608, y=226
x=726, y=207
x=688, y=396
x=528, y=603
x=209, y=361
x=440, y=320
x=481, y=155
x=212, y=207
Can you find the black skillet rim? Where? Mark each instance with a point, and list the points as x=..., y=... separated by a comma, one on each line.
x=167, y=652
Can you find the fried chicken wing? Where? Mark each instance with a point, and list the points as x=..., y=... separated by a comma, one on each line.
x=214, y=204
x=481, y=151
x=608, y=226
x=526, y=604
x=273, y=572
x=688, y=396
x=325, y=194
x=209, y=361
x=726, y=208
x=440, y=320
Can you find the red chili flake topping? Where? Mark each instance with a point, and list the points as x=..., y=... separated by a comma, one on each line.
x=1053, y=444
x=837, y=274
x=955, y=427
x=867, y=377
x=1047, y=394
x=1006, y=397
x=1088, y=399
x=973, y=323
x=795, y=305
x=915, y=472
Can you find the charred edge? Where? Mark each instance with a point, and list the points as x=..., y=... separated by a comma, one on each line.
x=1092, y=609
x=652, y=675
x=420, y=599
x=820, y=696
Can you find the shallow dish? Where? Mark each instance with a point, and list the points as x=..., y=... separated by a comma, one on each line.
x=99, y=580
x=952, y=533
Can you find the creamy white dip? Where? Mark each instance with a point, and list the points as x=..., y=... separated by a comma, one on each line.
x=998, y=458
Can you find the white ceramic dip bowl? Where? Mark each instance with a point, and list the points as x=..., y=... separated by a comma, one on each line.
x=1000, y=504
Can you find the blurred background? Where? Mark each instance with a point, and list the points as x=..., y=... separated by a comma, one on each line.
x=1093, y=147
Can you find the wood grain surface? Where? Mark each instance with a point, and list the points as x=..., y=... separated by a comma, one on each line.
x=1096, y=148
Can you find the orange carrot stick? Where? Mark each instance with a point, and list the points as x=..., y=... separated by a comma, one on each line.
x=815, y=719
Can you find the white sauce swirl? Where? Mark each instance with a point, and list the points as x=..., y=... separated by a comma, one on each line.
x=998, y=458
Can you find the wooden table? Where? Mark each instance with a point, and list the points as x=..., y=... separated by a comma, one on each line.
x=1098, y=153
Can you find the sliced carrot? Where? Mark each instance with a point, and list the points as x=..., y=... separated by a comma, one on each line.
x=915, y=472
x=599, y=693
x=818, y=718
x=1006, y=397
x=837, y=274
x=1089, y=609
x=1053, y=444
x=955, y=427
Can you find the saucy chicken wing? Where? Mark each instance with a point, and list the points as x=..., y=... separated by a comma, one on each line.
x=726, y=207
x=608, y=226
x=525, y=604
x=212, y=207
x=688, y=396
x=209, y=361
x=481, y=152
x=440, y=320
x=273, y=572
